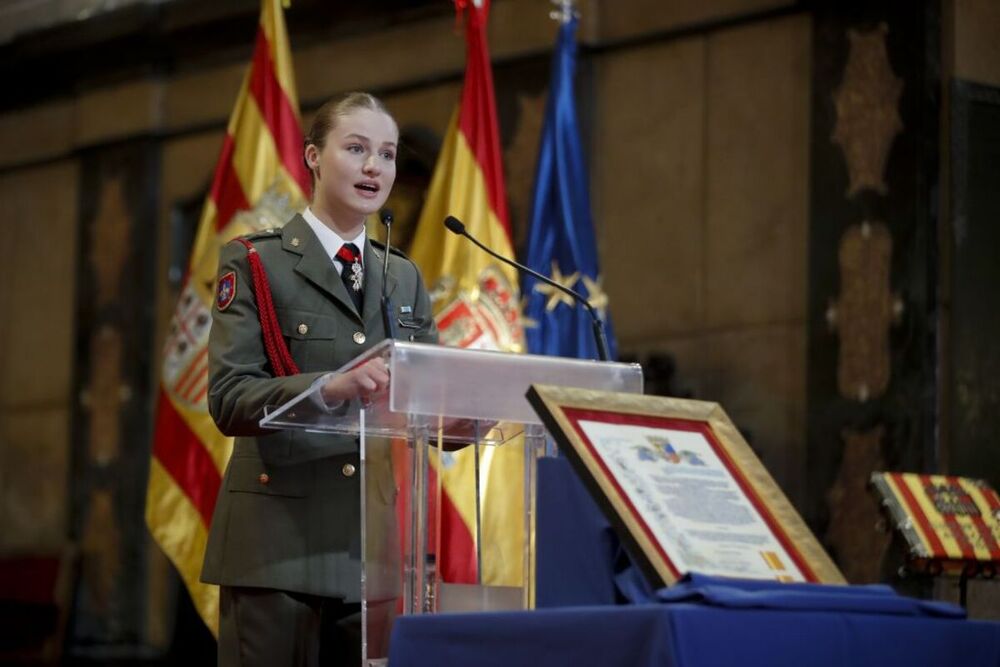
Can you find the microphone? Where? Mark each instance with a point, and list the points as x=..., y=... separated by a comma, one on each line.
x=455, y=226
x=387, y=323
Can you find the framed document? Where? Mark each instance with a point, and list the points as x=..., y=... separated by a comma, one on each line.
x=950, y=524
x=682, y=487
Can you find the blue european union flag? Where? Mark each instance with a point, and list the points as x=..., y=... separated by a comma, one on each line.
x=561, y=242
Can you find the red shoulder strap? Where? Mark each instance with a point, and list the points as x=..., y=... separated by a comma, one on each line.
x=274, y=343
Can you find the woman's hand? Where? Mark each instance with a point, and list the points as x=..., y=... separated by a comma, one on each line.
x=361, y=382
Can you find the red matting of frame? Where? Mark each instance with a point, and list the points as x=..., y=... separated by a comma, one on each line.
x=576, y=415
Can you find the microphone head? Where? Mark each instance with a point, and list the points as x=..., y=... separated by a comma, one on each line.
x=454, y=225
x=386, y=216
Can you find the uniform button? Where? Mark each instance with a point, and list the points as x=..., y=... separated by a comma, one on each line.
x=263, y=478
x=303, y=328
x=359, y=337
x=348, y=470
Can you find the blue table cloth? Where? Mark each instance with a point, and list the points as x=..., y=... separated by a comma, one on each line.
x=689, y=634
x=700, y=622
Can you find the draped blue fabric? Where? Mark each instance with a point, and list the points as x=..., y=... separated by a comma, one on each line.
x=706, y=621
x=716, y=625
x=576, y=547
x=757, y=594
x=561, y=230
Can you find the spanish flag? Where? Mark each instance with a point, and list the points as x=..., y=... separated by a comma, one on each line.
x=477, y=304
x=259, y=181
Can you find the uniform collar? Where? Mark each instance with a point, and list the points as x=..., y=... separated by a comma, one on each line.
x=330, y=239
x=315, y=266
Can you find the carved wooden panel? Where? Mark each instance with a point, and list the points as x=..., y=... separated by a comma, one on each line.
x=100, y=552
x=115, y=305
x=854, y=530
x=109, y=242
x=867, y=114
x=876, y=93
x=864, y=311
x=103, y=397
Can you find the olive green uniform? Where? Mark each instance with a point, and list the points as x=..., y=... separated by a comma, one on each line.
x=288, y=515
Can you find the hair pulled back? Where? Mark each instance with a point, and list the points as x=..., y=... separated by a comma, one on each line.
x=327, y=115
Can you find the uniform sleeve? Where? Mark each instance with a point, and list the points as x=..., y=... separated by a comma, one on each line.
x=240, y=379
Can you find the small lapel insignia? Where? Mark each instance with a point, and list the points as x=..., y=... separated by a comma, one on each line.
x=226, y=291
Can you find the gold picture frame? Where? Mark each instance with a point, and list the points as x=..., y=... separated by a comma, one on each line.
x=681, y=486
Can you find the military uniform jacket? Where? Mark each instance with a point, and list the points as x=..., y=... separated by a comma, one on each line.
x=287, y=516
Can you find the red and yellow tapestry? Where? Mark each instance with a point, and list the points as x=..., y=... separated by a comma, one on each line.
x=942, y=517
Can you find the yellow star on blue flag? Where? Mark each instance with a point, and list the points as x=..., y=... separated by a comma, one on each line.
x=554, y=294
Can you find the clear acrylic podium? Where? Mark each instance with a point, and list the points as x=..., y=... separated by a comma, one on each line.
x=439, y=399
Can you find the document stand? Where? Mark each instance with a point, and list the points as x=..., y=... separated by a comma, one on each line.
x=439, y=398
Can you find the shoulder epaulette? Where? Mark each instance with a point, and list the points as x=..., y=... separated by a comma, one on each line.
x=394, y=250
x=272, y=233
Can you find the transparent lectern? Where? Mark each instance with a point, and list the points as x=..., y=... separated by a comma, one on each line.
x=440, y=399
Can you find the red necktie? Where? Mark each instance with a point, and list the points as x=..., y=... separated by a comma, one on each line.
x=351, y=273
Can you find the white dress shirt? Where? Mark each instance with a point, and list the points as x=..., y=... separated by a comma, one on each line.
x=331, y=240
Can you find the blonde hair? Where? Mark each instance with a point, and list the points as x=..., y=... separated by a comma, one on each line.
x=327, y=115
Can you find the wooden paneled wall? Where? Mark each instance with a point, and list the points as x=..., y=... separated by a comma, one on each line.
x=699, y=122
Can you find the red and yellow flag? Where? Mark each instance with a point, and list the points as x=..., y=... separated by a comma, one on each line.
x=942, y=517
x=476, y=305
x=259, y=181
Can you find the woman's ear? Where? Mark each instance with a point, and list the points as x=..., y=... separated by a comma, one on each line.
x=312, y=157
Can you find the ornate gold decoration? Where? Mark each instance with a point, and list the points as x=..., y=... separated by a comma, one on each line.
x=867, y=117
x=109, y=241
x=100, y=551
x=185, y=365
x=485, y=318
x=105, y=395
x=273, y=209
x=853, y=531
x=557, y=296
x=864, y=312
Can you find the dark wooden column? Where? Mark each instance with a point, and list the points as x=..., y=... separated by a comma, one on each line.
x=873, y=266
x=972, y=346
x=115, y=365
